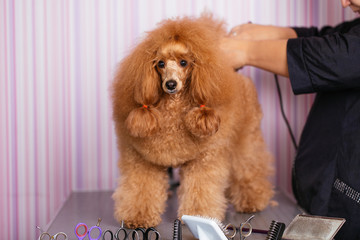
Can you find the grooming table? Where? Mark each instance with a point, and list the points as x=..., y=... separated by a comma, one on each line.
x=87, y=207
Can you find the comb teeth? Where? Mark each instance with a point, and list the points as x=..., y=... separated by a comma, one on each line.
x=177, y=233
x=218, y=222
x=276, y=230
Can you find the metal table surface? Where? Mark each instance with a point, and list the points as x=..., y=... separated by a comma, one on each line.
x=87, y=207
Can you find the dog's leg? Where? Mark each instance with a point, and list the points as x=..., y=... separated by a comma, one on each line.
x=142, y=192
x=203, y=185
x=250, y=189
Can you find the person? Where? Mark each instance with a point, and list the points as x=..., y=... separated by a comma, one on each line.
x=326, y=61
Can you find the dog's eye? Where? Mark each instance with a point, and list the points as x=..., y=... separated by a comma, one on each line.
x=161, y=64
x=183, y=63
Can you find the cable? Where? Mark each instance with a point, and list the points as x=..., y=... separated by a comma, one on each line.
x=283, y=113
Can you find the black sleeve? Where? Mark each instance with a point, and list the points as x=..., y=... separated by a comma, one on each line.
x=325, y=60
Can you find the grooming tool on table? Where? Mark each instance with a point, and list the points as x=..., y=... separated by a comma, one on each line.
x=132, y=234
x=204, y=228
x=276, y=230
x=244, y=235
x=177, y=231
x=212, y=229
x=45, y=235
x=313, y=227
x=81, y=235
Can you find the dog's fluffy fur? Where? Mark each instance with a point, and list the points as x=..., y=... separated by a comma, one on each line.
x=206, y=121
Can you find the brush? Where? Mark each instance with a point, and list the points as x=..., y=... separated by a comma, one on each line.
x=205, y=228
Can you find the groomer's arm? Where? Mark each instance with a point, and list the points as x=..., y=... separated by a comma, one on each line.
x=259, y=46
x=269, y=55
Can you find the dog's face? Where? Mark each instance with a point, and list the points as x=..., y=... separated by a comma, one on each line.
x=174, y=66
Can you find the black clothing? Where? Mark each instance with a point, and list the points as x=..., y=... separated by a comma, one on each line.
x=328, y=61
x=326, y=176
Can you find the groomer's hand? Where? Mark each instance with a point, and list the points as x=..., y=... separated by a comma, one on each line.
x=259, y=46
x=234, y=45
x=235, y=51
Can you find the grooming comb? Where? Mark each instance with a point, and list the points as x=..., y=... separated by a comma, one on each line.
x=276, y=230
x=177, y=231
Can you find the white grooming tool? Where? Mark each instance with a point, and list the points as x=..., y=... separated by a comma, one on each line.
x=204, y=228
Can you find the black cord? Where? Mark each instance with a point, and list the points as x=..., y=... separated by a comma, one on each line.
x=283, y=113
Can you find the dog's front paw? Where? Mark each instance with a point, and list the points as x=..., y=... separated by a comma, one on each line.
x=253, y=199
x=202, y=121
x=134, y=219
x=136, y=213
x=142, y=122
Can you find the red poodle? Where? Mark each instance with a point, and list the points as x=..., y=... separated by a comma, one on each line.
x=177, y=103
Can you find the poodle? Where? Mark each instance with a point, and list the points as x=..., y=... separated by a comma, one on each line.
x=178, y=104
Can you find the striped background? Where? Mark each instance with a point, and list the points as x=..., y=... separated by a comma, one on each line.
x=57, y=59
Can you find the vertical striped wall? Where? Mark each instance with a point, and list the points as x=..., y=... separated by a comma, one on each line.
x=57, y=59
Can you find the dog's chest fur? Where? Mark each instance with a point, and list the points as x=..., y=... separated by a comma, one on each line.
x=174, y=144
x=172, y=112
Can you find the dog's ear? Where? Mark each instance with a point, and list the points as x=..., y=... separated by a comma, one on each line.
x=147, y=89
x=144, y=119
x=203, y=121
x=205, y=82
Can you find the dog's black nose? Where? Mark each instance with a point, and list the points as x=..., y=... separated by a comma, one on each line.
x=171, y=84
